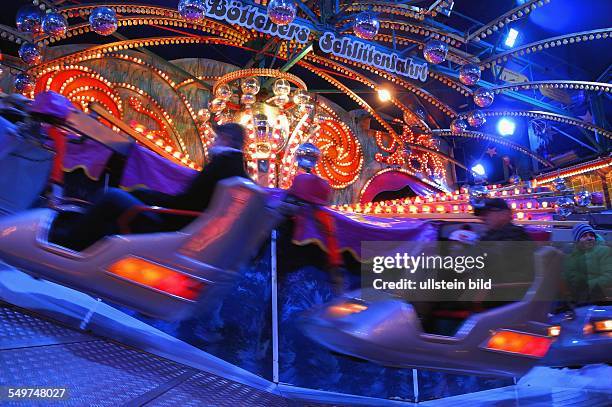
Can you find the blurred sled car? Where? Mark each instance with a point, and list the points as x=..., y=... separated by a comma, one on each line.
x=164, y=275
x=505, y=341
x=583, y=336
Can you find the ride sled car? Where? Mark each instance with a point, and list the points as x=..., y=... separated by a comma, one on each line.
x=505, y=341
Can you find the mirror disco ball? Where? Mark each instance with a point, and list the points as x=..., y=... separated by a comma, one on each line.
x=248, y=99
x=565, y=206
x=458, y=126
x=476, y=118
x=469, y=74
x=301, y=97
x=366, y=25
x=224, y=92
x=559, y=185
x=192, y=10
x=250, y=86
x=103, y=20
x=582, y=198
x=282, y=12
x=477, y=195
x=307, y=156
x=29, y=19
x=54, y=24
x=30, y=53
x=24, y=83
x=483, y=97
x=216, y=105
x=281, y=100
x=281, y=87
x=435, y=51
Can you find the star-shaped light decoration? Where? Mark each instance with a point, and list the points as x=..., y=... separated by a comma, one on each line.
x=491, y=151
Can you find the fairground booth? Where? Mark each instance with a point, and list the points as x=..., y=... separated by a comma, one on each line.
x=299, y=202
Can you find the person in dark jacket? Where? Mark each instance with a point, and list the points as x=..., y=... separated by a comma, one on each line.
x=497, y=216
x=508, y=263
x=101, y=219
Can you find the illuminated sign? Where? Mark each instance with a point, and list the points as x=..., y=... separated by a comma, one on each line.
x=368, y=54
x=252, y=17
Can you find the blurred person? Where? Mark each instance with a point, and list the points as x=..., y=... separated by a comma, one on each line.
x=588, y=268
x=509, y=265
x=102, y=217
x=497, y=216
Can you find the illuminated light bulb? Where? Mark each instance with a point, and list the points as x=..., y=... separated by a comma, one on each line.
x=384, y=95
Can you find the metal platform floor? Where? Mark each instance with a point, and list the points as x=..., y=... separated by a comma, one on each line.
x=99, y=372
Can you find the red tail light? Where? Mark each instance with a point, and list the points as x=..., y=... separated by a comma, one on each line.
x=155, y=276
x=344, y=309
x=520, y=343
x=603, y=326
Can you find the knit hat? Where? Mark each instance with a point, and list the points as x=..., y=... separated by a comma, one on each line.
x=580, y=229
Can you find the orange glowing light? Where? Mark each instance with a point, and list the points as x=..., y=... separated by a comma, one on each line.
x=158, y=277
x=520, y=343
x=345, y=309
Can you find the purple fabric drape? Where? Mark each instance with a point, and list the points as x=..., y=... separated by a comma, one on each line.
x=88, y=155
x=144, y=168
x=353, y=229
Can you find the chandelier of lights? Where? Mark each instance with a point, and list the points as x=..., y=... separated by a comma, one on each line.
x=279, y=115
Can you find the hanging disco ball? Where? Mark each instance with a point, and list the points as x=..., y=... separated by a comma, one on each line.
x=301, y=97
x=224, y=117
x=366, y=25
x=216, y=105
x=54, y=24
x=458, y=126
x=281, y=100
x=30, y=53
x=435, y=51
x=248, y=99
x=103, y=20
x=307, y=156
x=477, y=195
x=250, y=86
x=224, y=92
x=24, y=83
x=476, y=118
x=559, y=185
x=469, y=74
x=281, y=87
x=565, y=206
x=192, y=10
x=582, y=198
x=29, y=19
x=282, y=12
x=305, y=108
x=262, y=129
x=483, y=97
